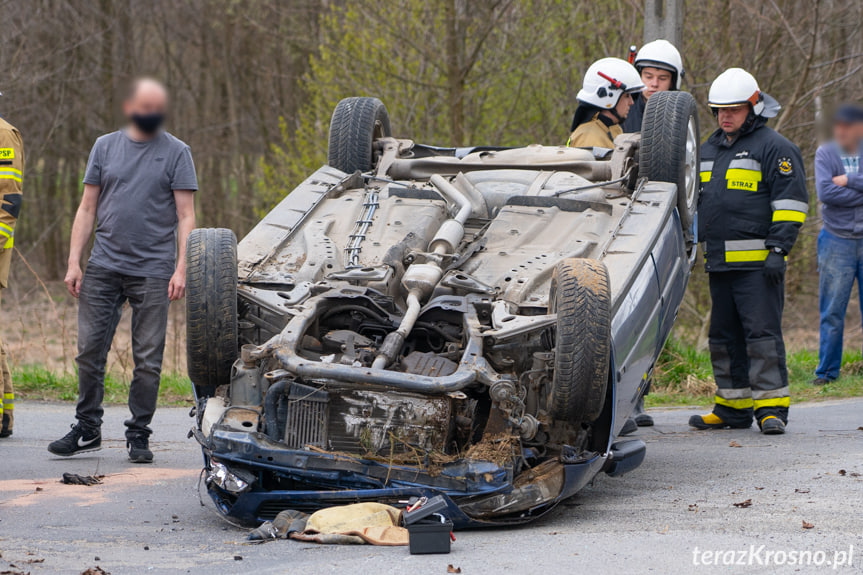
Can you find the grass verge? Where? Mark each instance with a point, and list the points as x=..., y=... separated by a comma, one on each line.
x=683, y=376
x=36, y=382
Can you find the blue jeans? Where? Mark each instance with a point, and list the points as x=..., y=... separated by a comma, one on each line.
x=840, y=262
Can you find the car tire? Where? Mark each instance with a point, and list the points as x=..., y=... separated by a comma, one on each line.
x=211, y=308
x=354, y=127
x=669, y=150
x=581, y=297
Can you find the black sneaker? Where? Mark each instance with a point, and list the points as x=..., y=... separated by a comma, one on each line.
x=79, y=440
x=139, y=450
x=821, y=381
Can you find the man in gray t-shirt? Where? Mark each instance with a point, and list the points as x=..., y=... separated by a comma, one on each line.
x=139, y=193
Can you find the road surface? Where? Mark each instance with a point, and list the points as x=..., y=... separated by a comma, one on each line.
x=676, y=509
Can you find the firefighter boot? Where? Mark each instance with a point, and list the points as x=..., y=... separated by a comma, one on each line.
x=629, y=427
x=8, y=420
x=772, y=425
x=712, y=421
x=642, y=419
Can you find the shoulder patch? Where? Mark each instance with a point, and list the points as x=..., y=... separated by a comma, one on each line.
x=785, y=166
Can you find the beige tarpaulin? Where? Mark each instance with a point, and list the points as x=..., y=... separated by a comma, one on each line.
x=360, y=523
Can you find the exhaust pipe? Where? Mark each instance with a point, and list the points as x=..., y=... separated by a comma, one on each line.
x=420, y=280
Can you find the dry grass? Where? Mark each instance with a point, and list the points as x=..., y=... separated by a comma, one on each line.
x=41, y=329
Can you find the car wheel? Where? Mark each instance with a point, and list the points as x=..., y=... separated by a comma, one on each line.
x=355, y=125
x=581, y=298
x=211, y=308
x=669, y=151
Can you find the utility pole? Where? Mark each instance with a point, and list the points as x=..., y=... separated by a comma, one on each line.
x=663, y=19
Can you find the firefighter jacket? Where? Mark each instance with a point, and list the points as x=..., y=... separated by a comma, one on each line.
x=753, y=197
x=598, y=132
x=11, y=174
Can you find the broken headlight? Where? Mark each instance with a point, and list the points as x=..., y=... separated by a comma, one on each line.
x=232, y=481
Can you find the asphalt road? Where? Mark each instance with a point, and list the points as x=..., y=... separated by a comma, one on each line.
x=147, y=519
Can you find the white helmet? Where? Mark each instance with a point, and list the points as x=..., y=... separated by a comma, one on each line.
x=663, y=55
x=607, y=80
x=736, y=86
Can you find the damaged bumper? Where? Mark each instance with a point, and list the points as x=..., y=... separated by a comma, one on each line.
x=264, y=478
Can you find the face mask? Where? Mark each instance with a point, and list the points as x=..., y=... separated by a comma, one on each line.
x=148, y=123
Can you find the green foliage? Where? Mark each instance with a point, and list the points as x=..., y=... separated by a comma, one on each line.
x=684, y=376
x=38, y=382
x=497, y=73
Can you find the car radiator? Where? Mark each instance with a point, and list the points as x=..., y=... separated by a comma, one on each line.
x=366, y=423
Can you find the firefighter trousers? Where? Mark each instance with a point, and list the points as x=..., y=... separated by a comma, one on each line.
x=7, y=399
x=746, y=347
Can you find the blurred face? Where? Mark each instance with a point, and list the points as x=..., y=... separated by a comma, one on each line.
x=623, y=105
x=730, y=120
x=146, y=106
x=655, y=80
x=847, y=135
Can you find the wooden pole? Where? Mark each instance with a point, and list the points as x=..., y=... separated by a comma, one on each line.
x=663, y=19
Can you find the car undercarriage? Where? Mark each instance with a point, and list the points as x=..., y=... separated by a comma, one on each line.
x=474, y=323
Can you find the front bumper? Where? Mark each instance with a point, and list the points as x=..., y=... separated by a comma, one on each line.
x=479, y=493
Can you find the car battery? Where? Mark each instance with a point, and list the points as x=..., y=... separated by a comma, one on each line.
x=429, y=531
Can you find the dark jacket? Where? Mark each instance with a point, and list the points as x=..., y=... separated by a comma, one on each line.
x=753, y=197
x=632, y=123
x=841, y=206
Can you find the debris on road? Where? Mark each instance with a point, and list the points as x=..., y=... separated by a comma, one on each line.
x=807, y=525
x=95, y=571
x=451, y=569
x=75, y=479
x=733, y=443
x=744, y=504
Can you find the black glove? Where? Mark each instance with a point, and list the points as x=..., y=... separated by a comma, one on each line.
x=774, y=267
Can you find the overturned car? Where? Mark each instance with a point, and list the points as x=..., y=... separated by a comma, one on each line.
x=411, y=320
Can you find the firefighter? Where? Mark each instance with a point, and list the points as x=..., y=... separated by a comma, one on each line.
x=11, y=174
x=603, y=103
x=661, y=69
x=752, y=204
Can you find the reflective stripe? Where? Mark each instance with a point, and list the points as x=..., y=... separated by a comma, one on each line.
x=9, y=176
x=705, y=176
x=789, y=216
x=737, y=251
x=745, y=164
x=745, y=403
x=732, y=245
x=705, y=169
x=746, y=256
x=794, y=205
x=9, y=233
x=773, y=402
x=731, y=393
x=743, y=179
x=771, y=393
